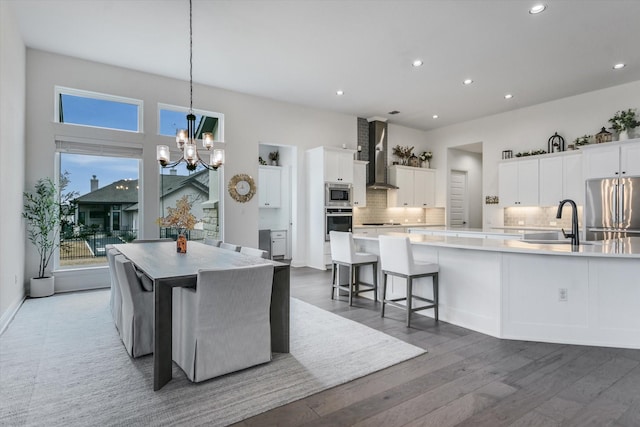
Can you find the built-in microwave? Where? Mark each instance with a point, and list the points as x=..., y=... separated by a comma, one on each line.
x=337, y=195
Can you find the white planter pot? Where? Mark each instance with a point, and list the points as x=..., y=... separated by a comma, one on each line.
x=43, y=287
x=623, y=135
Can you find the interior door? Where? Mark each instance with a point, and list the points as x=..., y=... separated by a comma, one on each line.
x=458, y=199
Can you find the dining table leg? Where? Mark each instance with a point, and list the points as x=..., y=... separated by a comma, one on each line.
x=162, y=360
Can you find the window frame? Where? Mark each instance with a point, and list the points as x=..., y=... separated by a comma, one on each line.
x=61, y=90
x=185, y=110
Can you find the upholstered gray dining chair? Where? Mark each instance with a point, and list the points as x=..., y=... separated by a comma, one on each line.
x=223, y=324
x=230, y=246
x=212, y=242
x=137, y=310
x=115, y=296
x=254, y=252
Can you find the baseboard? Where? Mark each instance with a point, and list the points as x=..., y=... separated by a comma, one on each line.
x=8, y=316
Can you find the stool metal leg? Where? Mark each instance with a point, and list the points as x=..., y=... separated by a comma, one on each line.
x=375, y=281
x=384, y=292
x=435, y=295
x=409, y=295
x=351, y=272
x=333, y=280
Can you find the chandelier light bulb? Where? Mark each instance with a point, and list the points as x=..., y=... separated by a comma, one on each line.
x=207, y=140
x=163, y=154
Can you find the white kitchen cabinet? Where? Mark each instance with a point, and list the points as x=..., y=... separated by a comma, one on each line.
x=359, y=184
x=416, y=187
x=518, y=182
x=269, y=186
x=611, y=160
x=561, y=178
x=338, y=165
x=278, y=243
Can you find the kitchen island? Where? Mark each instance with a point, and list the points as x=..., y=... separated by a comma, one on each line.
x=532, y=291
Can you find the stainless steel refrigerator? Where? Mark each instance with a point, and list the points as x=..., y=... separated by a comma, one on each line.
x=612, y=208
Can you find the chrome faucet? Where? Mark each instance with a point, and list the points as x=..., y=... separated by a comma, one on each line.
x=575, y=239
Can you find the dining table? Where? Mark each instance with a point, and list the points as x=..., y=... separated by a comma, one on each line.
x=167, y=268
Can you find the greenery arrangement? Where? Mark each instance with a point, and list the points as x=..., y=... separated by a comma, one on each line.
x=426, y=155
x=530, y=153
x=274, y=156
x=624, y=120
x=179, y=217
x=582, y=140
x=261, y=161
x=42, y=212
x=403, y=153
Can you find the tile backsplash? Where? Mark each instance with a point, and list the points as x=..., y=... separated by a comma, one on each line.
x=378, y=212
x=540, y=217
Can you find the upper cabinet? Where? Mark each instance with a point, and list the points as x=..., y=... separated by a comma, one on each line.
x=611, y=160
x=359, y=184
x=416, y=187
x=338, y=165
x=561, y=178
x=518, y=182
x=269, y=186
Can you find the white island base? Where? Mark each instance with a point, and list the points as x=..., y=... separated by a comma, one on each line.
x=531, y=292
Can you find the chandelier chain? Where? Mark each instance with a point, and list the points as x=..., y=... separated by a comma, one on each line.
x=190, y=56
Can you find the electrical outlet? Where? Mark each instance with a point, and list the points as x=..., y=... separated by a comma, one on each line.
x=553, y=222
x=520, y=222
x=563, y=294
x=406, y=220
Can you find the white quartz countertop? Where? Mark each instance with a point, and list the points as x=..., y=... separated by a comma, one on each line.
x=392, y=225
x=628, y=247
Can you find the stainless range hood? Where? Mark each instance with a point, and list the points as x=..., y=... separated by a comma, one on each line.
x=378, y=156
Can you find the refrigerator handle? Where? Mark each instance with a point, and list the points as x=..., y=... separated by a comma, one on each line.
x=622, y=207
x=614, y=205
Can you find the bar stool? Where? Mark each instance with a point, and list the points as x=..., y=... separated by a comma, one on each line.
x=396, y=259
x=343, y=252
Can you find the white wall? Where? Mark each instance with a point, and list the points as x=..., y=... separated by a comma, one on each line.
x=529, y=128
x=248, y=120
x=12, y=155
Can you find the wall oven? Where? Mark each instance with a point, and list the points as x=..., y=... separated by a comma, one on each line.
x=337, y=195
x=337, y=219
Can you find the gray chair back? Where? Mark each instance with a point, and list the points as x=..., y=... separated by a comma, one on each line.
x=254, y=252
x=230, y=246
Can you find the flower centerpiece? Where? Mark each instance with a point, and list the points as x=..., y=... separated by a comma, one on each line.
x=181, y=218
x=624, y=121
x=425, y=158
x=274, y=156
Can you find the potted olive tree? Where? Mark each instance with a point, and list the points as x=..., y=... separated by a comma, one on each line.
x=42, y=212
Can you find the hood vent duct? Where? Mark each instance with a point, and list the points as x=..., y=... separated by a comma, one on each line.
x=378, y=157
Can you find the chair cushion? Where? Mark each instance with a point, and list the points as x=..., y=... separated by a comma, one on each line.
x=423, y=268
x=362, y=257
x=145, y=281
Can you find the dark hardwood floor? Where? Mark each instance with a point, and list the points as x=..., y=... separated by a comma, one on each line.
x=466, y=378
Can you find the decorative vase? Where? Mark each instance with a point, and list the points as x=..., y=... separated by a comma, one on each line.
x=623, y=135
x=181, y=244
x=274, y=163
x=425, y=164
x=41, y=287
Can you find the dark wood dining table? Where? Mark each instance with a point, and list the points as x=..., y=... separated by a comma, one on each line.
x=168, y=269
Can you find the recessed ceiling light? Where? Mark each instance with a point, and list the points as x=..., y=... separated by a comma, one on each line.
x=537, y=9
x=339, y=92
x=435, y=116
x=467, y=82
x=417, y=63
x=508, y=96
x=618, y=66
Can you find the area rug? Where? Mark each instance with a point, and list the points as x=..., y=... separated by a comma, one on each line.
x=62, y=364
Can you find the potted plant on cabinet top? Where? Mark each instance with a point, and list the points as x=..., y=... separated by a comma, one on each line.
x=42, y=212
x=425, y=158
x=274, y=156
x=624, y=121
x=403, y=153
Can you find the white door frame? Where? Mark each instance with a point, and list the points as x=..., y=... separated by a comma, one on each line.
x=465, y=202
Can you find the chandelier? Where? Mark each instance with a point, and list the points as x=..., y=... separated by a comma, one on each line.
x=186, y=138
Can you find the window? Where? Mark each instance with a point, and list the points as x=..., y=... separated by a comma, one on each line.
x=98, y=110
x=100, y=196
x=172, y=118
